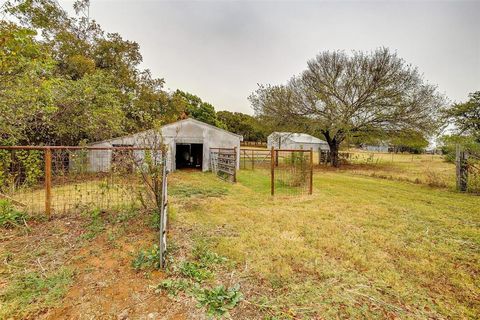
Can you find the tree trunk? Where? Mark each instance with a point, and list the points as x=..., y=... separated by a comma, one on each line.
x=334, y=144
x=334, y=159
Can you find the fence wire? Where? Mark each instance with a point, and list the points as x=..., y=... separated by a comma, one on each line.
x=79, y=178
x=290, y=171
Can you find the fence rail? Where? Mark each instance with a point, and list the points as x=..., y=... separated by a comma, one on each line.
x=254, y=144
x=290, y=170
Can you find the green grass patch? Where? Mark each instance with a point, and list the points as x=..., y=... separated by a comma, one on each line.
x=10, y=217
x=32, y=292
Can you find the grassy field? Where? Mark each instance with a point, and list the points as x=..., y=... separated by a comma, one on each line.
x=359, y=247
x=427, y=169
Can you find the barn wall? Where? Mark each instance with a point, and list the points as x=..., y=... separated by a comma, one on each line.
x=179, y=132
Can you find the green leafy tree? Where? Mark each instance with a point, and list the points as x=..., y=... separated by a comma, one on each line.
x=79, y=56
x=466, y=116
x=89, y=109
x=249, y=127
x=194, y=107
x=26, y=102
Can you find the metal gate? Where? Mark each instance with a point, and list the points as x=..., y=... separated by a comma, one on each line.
x=224, y=163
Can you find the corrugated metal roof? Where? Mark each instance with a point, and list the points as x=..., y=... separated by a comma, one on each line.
x=179, y=122
x=300, y=137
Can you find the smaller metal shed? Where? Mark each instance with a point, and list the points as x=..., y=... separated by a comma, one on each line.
x=189, y=142
x=291, y=140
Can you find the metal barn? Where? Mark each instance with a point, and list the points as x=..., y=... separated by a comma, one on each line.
x=188, y=142
x=291, y=140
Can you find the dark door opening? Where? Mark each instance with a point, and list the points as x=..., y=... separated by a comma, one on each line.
x=189, y=155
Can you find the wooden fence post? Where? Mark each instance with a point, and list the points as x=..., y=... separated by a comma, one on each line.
x=235, y=168
x=462, y=169
x=253, y=161
x=272, y=171
x=48, y=181
x=310, y=191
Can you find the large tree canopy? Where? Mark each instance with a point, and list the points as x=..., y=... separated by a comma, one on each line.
x=341, y=95
x=64, y=80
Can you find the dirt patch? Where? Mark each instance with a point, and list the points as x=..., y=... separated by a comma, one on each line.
x=106, y=287
x=104, y=284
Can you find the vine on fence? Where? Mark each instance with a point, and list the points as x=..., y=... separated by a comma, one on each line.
x=24, y=168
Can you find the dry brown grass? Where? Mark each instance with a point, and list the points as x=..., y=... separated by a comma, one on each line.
x=358, y=248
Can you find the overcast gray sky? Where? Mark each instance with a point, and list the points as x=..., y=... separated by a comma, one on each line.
x=220, y=50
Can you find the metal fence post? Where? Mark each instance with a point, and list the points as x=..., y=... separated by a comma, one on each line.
x=272, y=171
x=48, y=181
x=163, y=214
x=310, y=191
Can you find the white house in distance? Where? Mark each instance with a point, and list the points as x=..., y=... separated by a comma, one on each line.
x=189, y=142
x=381, y=147
x=290, y=140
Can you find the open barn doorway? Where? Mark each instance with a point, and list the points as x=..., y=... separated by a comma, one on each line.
x=189, y=155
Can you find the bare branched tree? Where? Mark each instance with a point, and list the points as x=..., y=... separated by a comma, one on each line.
x=149, y=164
x=341, y=95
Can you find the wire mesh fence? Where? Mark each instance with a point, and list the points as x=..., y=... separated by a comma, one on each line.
x=290, y=171
x=251, y=159
x=61, y=179
x=431, y=169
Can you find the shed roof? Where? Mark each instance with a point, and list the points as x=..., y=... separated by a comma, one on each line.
x=300, y=137
x=176, y=123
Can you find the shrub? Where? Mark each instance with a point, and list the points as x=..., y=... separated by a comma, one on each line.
x=9, y=216
x=219, y=300
x=433, y=179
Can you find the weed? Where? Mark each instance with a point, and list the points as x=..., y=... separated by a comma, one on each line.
x=9, y=216
x=154, y=220
x=218, y=300
x=433, y=179
x=31, y=292
x=205, y=256
x=174, y=286
x=125, y=214
x=95, y=225
x=195, y=270
x=147, y=259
